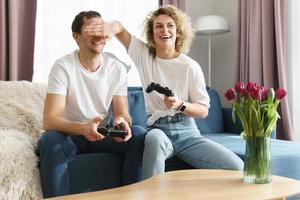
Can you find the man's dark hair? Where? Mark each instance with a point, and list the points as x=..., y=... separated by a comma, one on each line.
x=78, y=20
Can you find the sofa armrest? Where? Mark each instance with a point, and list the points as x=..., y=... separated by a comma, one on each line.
x=230, y=126
x=19, y=172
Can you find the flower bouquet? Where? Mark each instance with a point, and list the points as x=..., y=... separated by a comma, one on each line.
x=256, y=107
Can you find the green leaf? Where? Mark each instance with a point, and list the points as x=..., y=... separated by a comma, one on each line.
x=271, y=96
x=244, y=135
x=271, y=126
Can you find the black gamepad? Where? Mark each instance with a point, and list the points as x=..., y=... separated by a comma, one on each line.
x=112, y=132
x=157, y=87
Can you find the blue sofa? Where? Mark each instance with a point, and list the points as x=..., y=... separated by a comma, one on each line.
x=92, y=172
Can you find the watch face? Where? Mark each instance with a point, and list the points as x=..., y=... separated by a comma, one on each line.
x=182, y=108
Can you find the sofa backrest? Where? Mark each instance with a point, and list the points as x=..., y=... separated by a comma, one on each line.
x=136, y=103
x=213, y=123
x=21, y=106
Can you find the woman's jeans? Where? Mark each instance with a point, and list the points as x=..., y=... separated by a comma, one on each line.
x=56, y=149
x=178, y=135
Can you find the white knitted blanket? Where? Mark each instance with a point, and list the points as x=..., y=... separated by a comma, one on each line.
x=21, y=109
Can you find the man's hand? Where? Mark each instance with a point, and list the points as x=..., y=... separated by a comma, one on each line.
x=172, y=102
x=91, y=133
x=120, y=121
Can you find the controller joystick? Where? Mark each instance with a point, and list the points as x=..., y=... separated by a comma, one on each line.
x=160, y=89
x=112, y=131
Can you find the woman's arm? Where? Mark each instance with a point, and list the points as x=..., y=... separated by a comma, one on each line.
x=108, y=30
x=190, y=109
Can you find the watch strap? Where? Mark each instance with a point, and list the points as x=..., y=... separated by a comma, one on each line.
x=182, y=107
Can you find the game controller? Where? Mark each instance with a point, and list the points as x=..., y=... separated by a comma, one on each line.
x=158, y=88
x=112, y=131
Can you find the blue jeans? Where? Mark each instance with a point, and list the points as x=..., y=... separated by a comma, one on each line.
x=56, y=149
x=179, y=135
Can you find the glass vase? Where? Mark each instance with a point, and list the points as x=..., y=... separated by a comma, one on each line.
x=257, y=164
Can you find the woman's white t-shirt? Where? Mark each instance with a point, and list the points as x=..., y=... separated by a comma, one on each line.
x=88, y=94
x=182, y=75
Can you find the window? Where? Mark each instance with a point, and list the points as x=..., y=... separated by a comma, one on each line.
x=293, y=61
x=54, y=36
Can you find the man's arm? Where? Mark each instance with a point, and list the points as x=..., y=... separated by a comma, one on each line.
x=54, y=119
x=121, y=114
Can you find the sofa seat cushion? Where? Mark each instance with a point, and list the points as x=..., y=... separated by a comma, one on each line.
x=232, y=141
x=95, y=171
x=285, y=154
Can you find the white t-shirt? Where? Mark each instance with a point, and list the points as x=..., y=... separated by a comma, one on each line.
x=88, y=94
x=182, y=75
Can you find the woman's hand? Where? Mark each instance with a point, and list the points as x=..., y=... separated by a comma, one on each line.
x=172, y=102
x=104, y=30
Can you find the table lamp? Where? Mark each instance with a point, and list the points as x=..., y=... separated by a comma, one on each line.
x=211, y=25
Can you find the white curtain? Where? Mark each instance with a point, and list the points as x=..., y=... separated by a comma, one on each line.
x=54, y=36
x=293, y=60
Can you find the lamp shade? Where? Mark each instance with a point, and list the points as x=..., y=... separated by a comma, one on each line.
x=211, y=25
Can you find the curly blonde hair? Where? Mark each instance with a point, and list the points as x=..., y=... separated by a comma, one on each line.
x=185, y=31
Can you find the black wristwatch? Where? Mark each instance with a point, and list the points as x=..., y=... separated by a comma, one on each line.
x=182, y=107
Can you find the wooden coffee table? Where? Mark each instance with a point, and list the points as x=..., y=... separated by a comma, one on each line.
x=196, y=184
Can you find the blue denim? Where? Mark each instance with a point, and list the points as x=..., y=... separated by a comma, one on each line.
x=178, y=135
x=56, y=149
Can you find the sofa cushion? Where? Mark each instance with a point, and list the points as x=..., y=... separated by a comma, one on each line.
x=285, y=154
x=21, y=106
x=95, y=171
x=213, y=123
x=137, y=106
x=19, y=176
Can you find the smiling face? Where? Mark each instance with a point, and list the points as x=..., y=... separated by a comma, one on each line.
x=87, y=43
x=164, y=32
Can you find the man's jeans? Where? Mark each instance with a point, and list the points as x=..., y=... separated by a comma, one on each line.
x=179, y=135
x=56, y=149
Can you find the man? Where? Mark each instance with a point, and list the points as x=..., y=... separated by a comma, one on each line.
x=82, y=86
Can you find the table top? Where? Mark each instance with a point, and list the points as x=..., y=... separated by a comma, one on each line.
x=196, y=184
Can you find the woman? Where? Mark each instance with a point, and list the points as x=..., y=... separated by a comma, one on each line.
x=171, y=127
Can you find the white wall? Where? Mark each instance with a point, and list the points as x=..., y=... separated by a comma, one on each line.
x=222, y=46
x=54, y=36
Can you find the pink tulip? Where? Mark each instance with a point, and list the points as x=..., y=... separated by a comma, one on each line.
x=256, y=93
x=230, y=94
x=244, y=93
x=280, y=93
x=239, y=87
x=250, y=86
x=265, y=93
x=255, y=106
